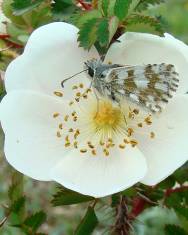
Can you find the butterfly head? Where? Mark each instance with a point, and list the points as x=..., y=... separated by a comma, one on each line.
x=92, y=66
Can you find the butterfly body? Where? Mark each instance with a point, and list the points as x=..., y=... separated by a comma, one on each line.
x=150, y=86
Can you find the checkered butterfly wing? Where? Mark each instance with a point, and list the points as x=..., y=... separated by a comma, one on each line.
x=149, y=85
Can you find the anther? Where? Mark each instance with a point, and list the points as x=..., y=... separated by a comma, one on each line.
x=90, y=145
x=81, y=85
x=106, y=152
x=66, y=118
x=61, y=126
x=71, y=130
x=122, y=146
x=140, y=124
x=126, y=141
x=58, y=134
x=130, y=131
x=73, y=113
x=75, y=87
x=84, y=96
x=75, y=144
x=93, y=152
x=75, y=118
x=58, y=93
x=136, y=111
x=71, y=103
x=56, y=115
x=78, y=94
x=67, y=144
x=83, y=150
x=148, y=120
x=133, y=143
x=152, y=135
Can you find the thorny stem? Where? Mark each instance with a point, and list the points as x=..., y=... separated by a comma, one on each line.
x=124, y=218
x=122, y=225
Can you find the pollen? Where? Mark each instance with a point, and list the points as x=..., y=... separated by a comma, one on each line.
x=152, y=135
x=58, y=134
x=61, y=126
x=83, y=150
x=133, y=143
x=56, y=115
x=107, y=116
x=148, y=120
x=58, y=93
x=96, y=127
x=66, y=118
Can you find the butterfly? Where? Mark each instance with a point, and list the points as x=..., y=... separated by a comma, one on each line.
x=150, y=85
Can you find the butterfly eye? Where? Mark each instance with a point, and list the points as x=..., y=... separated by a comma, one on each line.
x=90, y=72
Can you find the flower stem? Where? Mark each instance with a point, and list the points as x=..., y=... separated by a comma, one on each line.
x=86, y=6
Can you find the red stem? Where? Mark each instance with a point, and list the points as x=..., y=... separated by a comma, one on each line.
x=139, y=203
x=10, y=43
x=86, y=6
x=138, y=206
x=13, y=44
x=179, y=189
x=4, y=36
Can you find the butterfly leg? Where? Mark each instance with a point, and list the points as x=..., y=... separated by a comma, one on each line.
x=98, y=100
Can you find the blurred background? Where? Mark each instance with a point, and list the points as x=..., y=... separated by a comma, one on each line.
x=62, y=221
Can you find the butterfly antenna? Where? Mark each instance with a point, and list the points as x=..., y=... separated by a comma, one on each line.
x=62, y=83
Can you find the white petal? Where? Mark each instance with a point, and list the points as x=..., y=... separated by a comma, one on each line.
x=100, y=176
x=168, y=150
x=141, y=48
x=31, y=142
x=51, y=55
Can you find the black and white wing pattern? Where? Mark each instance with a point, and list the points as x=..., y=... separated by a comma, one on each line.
x=150, y=85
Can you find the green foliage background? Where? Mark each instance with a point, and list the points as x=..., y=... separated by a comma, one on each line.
x=63, y=220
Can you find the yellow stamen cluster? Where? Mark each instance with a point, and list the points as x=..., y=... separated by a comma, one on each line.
x=101, y=127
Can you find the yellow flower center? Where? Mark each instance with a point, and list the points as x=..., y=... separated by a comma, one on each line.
x=107, y=116
x=95, y=127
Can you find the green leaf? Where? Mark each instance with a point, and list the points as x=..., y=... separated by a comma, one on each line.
x=144, y=4
x=177, y=198
x=130, y=192
x=145, y=20
x=113, y=26
x=103, y=7
x=69, y=197
x=18, y=205
x=111, y=7
x=35, y=221
x=121, y=8
x=181, y=174
x=182, y=211
x=88, y=34
x=115, y=199
x=80, y=19
x=63, y=9
x=20, y=7
x=88, y=223
x=167, y=183
x=171, y=229
x=103, y=32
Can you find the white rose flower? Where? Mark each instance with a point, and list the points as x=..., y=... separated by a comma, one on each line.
x=53, y=133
